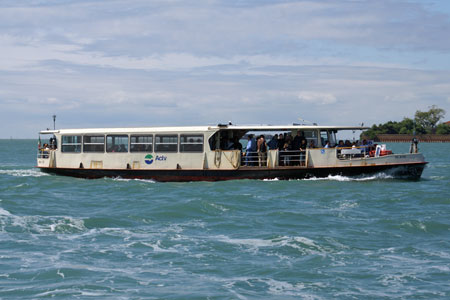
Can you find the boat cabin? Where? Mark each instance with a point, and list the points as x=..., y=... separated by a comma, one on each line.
x=221, y=146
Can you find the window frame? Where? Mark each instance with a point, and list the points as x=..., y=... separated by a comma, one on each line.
x=80, y=144
x=183, y=144
x=142, y=143
x=91, y=144
x=159, y=144
x=113, y=136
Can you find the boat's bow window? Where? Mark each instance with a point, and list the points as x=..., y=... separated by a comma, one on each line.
x=141, y=143
x=117, y=143
x=94, y=143
x=191, y=143
x=71, y=143
x=329, y=136
x=166, y=143
x=332, y=136
x=311, y=136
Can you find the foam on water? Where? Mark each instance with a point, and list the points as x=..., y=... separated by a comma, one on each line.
x=274, y=179
x=128, y=180
x=302, y=244
x=4, y=212
x=41, y=224
x=378, y=176
x=24, y=173
x=323, y=238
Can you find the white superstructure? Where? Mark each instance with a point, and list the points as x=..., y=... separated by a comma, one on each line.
x=119, y=151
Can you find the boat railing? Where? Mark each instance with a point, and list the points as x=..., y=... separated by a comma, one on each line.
x=292, y=158
x=362, y=151
x=44, y=153
x=351, y=152
x=284, y=158
x=251, y=159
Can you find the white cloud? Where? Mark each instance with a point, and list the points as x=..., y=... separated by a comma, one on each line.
x=317, y=97
x=109, y=62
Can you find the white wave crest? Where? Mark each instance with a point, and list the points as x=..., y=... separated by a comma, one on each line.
x=42, y=224
x=145, y=180
x=273, y=179
x=128, y=180
x=157, y=247
x=276, y=287
x=4, y=212
x=24, y=173
x=219, y=207
x=347, y=178
x=302, y=244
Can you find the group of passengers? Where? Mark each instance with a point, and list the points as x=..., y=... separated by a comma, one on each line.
x=292, y=150
x=256, y=151
x=347, y=144
x=117, y=148
x=46, y=147
x=363, y=145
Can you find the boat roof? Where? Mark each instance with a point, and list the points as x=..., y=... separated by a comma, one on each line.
x=201, y=129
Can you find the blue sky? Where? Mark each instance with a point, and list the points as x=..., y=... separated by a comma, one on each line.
x=149, y=63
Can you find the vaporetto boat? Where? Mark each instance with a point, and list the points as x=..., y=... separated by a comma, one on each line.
x=211, y=153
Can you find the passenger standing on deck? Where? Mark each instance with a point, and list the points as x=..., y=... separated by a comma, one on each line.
x=273, y=143
x=262, y=151
x=303, y=146
x=297, y=140
x=281, y=153
x=296, y=144
x=287, y=148
x=250, y=151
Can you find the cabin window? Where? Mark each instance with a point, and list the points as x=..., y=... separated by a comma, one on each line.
x=94, y=143
x=323, y=137
x=311, y=136
x=166, y=143
x=141, y=143
x=117, y=143
x=71, y=143
x=329, y=136
x=191, y=143
x=332, y=135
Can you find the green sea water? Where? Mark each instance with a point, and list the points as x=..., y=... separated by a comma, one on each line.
x=369, y=237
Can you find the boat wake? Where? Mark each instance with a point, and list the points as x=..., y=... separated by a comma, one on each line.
x=133, y=180
x=273, y=179
x=378, y=176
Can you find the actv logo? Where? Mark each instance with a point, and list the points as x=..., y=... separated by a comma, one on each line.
x=149, y=159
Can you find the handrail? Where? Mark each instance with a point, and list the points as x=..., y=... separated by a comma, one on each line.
x=44, y=153
x=284, y=157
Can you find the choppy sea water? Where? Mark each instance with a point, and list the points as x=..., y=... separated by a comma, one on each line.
x=369, y=237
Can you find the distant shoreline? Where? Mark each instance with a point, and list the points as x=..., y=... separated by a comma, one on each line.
x=404, y=138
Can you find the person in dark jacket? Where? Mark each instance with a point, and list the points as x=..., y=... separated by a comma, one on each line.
x=273, y=143
x=281, y=152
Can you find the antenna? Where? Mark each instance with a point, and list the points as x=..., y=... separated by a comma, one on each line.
x=54, y=122
x=303, y=121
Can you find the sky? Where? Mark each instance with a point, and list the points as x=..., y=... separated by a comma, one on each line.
x=140, y=63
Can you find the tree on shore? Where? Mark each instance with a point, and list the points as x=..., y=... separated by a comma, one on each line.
x=429, y=119
x=423, y=123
